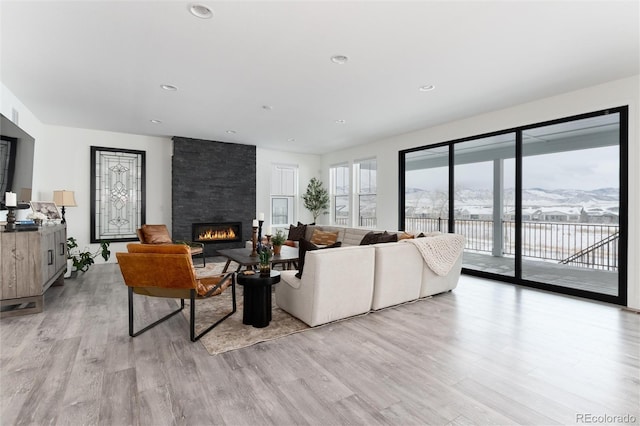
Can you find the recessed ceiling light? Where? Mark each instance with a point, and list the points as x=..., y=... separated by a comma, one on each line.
x=200, y=11
x=291, y=140
x=155, y=121
x=231, y=132
x=267, y=107
x=427, y=88
x=341, y=121
x=169, y=87
x=339, y=59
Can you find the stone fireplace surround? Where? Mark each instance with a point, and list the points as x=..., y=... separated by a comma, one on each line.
x=212, y=182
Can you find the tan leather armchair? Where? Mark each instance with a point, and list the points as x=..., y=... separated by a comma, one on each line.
x=159, y=234
x=166, y=270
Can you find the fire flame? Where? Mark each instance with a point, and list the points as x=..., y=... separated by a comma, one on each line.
x=220, y=234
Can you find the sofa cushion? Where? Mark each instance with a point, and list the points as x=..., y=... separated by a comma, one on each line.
x=156, y=234
x=324, y=238
x=296, y=233
x=352, y=236
x=304, y=247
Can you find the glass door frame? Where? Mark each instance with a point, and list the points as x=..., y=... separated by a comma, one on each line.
x=621, y=298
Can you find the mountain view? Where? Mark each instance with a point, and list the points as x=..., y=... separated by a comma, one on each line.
x=420, y=202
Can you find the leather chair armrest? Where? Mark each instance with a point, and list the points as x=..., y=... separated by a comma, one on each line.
x=191, y=244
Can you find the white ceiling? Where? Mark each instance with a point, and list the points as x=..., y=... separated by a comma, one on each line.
x=100, y=64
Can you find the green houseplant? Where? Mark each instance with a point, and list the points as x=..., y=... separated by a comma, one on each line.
x=316, y=198
x=278, y=240
x=82, y=260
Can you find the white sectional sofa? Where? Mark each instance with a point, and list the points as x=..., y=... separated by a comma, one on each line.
x=337, y=283
x=341, y=282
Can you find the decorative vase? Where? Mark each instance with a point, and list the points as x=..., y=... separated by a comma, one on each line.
x=67, y=274
x=276, y=250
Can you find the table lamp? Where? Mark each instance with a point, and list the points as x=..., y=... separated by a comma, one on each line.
x=65, y=199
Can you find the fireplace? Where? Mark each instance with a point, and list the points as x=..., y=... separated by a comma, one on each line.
x=218, y=232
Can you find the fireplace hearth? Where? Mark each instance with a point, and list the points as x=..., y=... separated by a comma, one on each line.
x=216, y=232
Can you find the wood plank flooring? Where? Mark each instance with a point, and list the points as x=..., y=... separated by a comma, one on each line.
x=486, y=353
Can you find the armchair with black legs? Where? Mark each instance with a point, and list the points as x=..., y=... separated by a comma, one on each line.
x=159, y=234
x=166, y=270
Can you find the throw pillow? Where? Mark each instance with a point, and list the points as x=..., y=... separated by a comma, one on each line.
x=306, y=246
x=406, y=236
x=380, y=237
x=385, y=237
x=296, y=233
x=369, y=238
x=324, y=238
x=156, y=234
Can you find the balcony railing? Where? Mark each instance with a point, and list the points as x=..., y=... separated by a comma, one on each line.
x=581, y=244
x=365, y=222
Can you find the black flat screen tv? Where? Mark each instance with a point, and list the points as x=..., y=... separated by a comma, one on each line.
x=16, y=161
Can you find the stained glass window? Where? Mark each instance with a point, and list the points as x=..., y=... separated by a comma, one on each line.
x=117, y=193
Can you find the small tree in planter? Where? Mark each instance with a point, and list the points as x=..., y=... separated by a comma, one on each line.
x=316, y=199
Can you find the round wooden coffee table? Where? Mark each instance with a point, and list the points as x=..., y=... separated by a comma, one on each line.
x=257, y=297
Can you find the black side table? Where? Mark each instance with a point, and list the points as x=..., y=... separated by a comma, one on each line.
x=257, y=297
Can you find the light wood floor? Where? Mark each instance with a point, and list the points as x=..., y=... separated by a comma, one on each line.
x=486, y=353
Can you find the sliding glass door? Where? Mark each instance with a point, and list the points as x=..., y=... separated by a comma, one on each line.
x=484, y=202
x=571, y=204
x=426, y=191
x=541, y=205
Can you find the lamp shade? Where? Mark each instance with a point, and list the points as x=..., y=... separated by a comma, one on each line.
x=64, y=198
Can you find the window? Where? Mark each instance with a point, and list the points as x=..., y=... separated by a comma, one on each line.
x=365, y=179
x=426, y=190
x=284, y=185
x=117, y=193
x=340, y=188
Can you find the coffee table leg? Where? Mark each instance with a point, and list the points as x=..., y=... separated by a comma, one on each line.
x=262, y=307
x=257, y=306
x=248, y=308
x=226, y=266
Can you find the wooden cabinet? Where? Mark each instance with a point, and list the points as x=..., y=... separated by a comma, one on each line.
x=30, y=262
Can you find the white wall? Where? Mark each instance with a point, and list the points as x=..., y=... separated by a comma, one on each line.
x=613, y=94
x=26, y=120
x=308, y=167
x=63, y=162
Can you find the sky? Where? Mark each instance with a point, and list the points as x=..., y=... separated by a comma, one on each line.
x=586, y=170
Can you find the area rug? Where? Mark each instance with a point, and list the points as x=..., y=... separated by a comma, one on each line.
x=231, y=334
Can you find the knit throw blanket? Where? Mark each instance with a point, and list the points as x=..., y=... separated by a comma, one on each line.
x=439, y=252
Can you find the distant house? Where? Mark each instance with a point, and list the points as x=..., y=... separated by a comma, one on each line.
x=474, y=213
x=600, y=215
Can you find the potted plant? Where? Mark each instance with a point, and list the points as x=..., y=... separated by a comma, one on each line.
x=316, y=199
x=278, y=240
x=82, y=260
